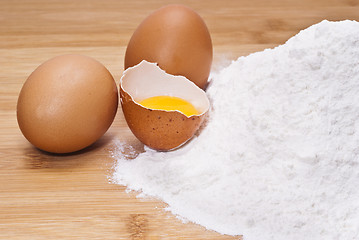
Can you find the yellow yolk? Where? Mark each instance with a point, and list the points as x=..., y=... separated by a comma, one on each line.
x=169, y=103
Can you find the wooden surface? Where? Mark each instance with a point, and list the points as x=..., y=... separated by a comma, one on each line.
x=44, y=196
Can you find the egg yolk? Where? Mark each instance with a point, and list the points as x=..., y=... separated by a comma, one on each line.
x=169, y=103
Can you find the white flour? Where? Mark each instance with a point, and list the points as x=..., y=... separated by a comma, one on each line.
x=279, y=157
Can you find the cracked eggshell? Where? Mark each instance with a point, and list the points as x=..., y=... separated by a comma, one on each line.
x=159, y=129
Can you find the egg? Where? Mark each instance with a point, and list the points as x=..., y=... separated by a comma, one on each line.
x=161, y=129
x=67, y=103
x=176, y=38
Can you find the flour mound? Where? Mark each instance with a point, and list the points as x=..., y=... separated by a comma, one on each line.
x=279, y=157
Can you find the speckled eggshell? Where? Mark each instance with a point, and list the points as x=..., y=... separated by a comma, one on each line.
x=176, y=38
x=67, y=103
x=158, y=129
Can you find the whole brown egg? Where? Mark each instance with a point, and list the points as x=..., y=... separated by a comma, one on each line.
x=67, y=103
x=176, y=38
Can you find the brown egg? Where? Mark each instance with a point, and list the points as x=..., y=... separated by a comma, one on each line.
x=160, y=129
x=67, y=103
x=176, y=38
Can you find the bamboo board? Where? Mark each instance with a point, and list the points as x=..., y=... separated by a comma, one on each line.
x=44, y=196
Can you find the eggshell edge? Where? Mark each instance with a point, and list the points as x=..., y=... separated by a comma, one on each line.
x=159, y=129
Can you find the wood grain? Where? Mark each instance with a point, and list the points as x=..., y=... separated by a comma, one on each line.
x=44, y=196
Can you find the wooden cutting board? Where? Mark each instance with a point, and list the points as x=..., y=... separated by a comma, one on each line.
x=44, y=196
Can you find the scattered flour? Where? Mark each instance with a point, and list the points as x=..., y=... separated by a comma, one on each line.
x=279, y=157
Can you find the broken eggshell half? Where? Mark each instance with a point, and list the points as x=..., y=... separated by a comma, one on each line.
x=159, y=129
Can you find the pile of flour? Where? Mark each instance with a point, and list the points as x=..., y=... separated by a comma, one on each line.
x=279, y=156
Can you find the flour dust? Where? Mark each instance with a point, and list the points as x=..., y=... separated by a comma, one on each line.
x=279, y=156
